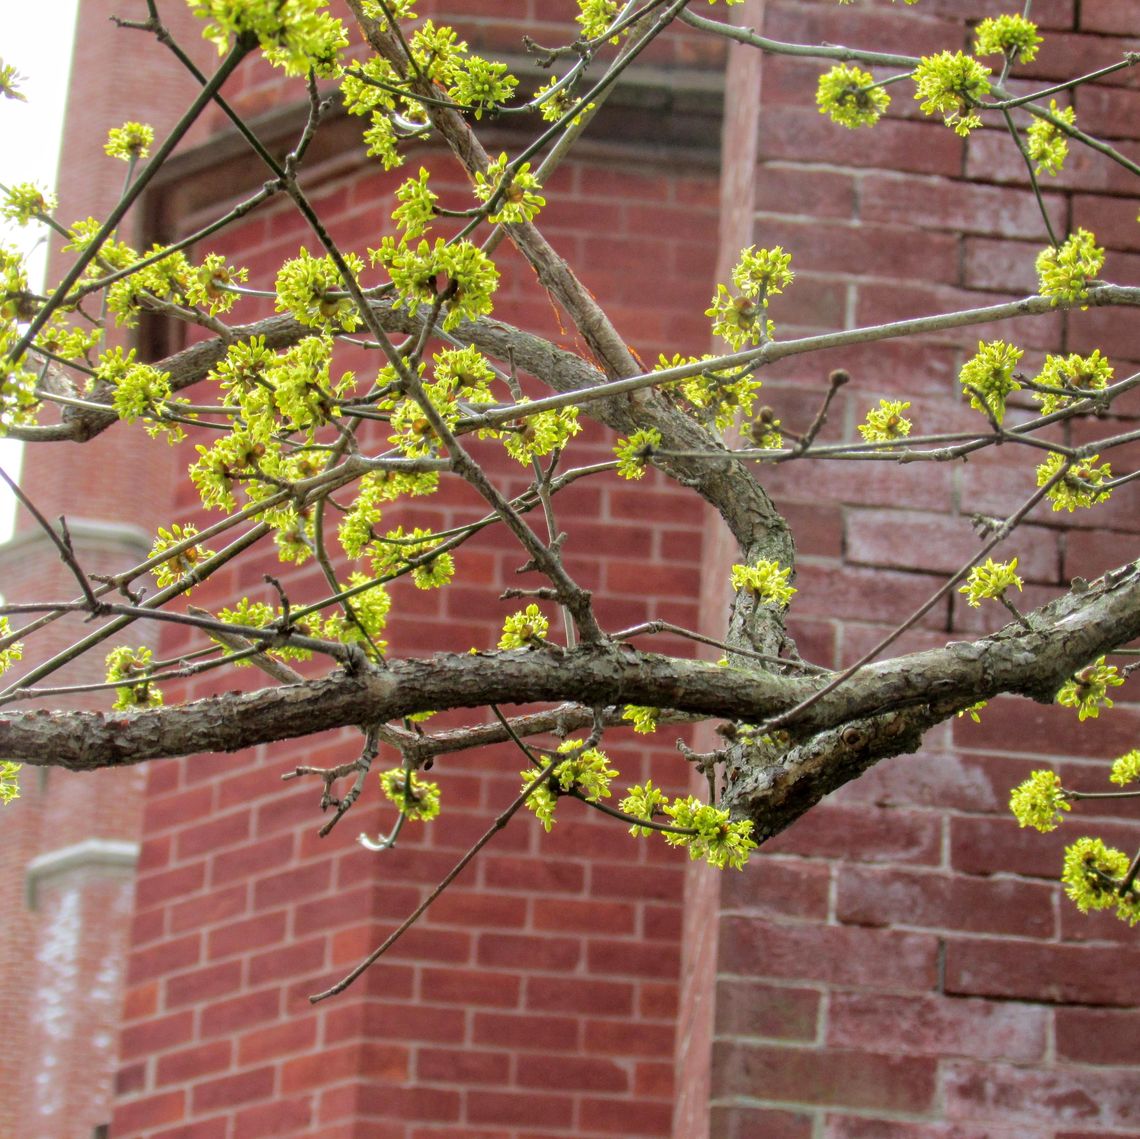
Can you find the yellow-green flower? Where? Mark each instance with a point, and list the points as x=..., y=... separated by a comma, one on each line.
x=1126, y=768
x=1013, y=36
x=524, y=629
x=886, y=423
x=416, y=798
x=1046, y=143
x=951, y=84
x=1039, y=801
x=765, y=580
x=988, y=376
x=849, y=97
x=1087, y=691
x=990, y=581
x=1064, y=273
x=129, y=142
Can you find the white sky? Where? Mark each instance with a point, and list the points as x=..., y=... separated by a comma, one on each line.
x=36, y=40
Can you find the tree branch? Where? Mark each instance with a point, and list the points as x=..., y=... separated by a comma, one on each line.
x=921, y=689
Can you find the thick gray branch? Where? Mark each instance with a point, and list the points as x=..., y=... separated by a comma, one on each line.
x=882, y=710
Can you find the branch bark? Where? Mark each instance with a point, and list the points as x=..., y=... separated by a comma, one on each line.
x=834, y=739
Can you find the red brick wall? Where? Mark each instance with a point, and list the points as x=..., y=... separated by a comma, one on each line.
x=539, y=996
x=61, y=963
x=901, y=964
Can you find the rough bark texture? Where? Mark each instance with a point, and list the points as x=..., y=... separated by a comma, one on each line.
x=879, y=712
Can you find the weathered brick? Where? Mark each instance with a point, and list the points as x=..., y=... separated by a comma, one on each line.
x=861, y=1127
x=906, y=897
x=1039, y=1097
x=938, y=1025
x=777, y=1012
x=832, y=954
x=1097, y=1035
x=1027, y=970
x=835, y=830
x=865, y=1080
x=746, y=1122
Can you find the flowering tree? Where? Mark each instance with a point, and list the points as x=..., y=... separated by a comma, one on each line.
x=293, y=449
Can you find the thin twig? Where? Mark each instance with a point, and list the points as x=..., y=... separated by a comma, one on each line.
x=500, y=822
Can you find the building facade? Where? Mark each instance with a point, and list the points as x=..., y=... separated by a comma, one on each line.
x=898, y=965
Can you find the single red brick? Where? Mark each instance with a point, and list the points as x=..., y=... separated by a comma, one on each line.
x=238, y=1013
x=938, y=1026
x=750, y=1122
x=281, y=1117
x=253, y=933
x=873, y=896
x=790, y=887
x=630, y=959
x=1096, y=1035
x=215, y=1128
x=835, y=830
x=130, y=1080
x=621, y=880
x=570, y=915
x=276, y=1040
x=627, y=1116
x=516, y=951
x=140, y=1002
x=299, y=958
x=841, y=955
x=751, y=1008
x=289, y=886
x=137, y=1116
x=428, y=944
x=1027, y=970
x=378, y=1019
x=526, y=1108
x=201, y=985
x=1046, y=1098
x=861, y=1127
x=624, y=1038
x=654, y=1080
x=230, y=1091
x=570, y=1073
x=169, y=956
x=151, y=1036
x=529, y=1030
x=154, y=889
x=162, y=812
x=462, y=1066
x=823, y=1076
x=190, y=1064
x=208, y=909
x=794, y=133
x=470, y=986
x=234, y=865
x=533, y=874
x=207, y=837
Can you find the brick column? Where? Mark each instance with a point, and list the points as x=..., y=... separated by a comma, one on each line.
x=70, y=840
x=900, y=962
